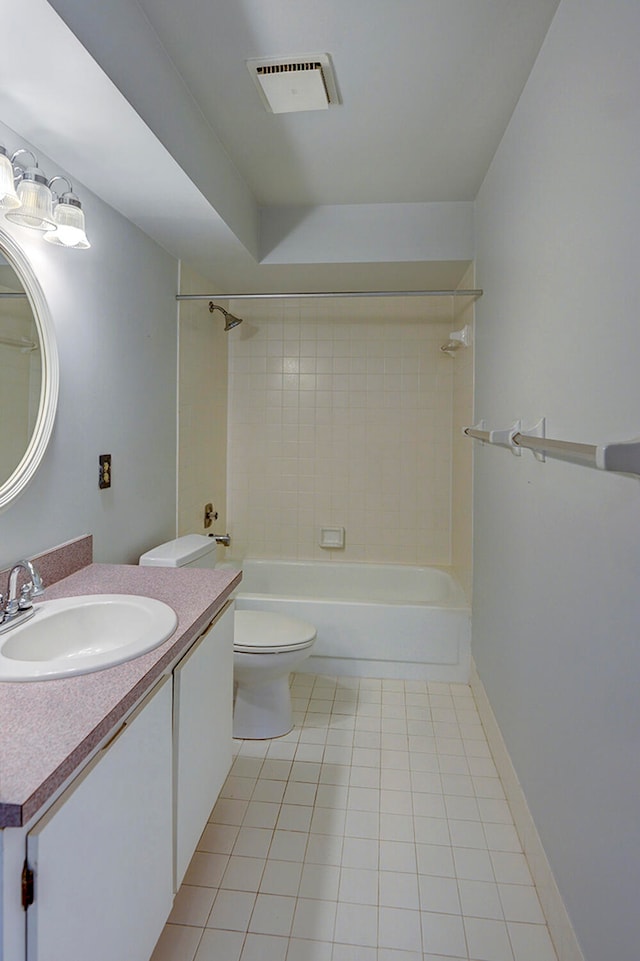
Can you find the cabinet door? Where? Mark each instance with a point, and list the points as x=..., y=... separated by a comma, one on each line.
x=203, y=714
x=102, y=855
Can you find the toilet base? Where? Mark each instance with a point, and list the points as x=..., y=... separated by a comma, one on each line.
x=263, y=712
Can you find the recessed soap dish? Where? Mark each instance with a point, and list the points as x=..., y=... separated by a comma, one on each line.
x=332, y=538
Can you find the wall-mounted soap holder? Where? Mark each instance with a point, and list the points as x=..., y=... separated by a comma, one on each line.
x=332, y=538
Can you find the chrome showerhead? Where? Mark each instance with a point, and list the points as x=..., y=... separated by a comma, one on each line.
x=230, y=321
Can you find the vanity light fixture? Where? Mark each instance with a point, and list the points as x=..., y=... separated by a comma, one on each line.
x=8, y=195
x=26, y=198
x=69, y=220
x=36, y=201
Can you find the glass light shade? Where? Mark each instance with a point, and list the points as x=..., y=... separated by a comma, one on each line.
x=8, y=196
x=69, y=224
x=35, y=198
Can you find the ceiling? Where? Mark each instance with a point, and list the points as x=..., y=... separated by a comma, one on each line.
x=427, y=89
x=374, y=193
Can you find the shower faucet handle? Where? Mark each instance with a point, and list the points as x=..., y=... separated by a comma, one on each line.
x=210, y=515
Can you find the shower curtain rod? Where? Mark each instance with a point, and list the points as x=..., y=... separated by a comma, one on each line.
x=335, y=293
x=25, y=345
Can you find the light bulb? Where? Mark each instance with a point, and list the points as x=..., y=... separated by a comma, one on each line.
x=69, y=224
x=35, y=199
x=8, y=196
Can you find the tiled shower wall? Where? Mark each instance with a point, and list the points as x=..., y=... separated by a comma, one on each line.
x=340, y=415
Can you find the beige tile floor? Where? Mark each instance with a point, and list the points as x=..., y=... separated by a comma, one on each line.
x=377, y=830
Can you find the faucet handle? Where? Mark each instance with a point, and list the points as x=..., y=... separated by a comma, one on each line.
x=36, y=586
x=26, y=593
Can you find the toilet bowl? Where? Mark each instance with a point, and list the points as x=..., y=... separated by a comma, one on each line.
x=267, y=648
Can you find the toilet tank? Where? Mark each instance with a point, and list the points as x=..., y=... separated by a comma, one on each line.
x=192, y=550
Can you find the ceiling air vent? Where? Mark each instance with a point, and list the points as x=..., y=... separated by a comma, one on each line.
x=289, y=84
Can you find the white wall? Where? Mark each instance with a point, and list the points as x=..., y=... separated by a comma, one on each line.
x=367, y=233
x=557, y=591
x=114, y=311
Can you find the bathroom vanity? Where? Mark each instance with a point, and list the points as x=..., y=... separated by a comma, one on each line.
x=107, y=779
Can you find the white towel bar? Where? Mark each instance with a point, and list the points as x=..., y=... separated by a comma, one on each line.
x=483, y=435
x=623, y=457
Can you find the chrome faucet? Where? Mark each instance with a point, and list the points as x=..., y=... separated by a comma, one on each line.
x=224, y=539
x=19, y=609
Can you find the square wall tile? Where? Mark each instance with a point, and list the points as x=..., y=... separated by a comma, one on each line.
x=329, y=370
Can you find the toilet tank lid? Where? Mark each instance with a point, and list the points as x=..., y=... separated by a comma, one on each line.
x=177, y=553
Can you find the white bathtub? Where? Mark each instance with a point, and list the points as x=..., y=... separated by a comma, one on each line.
x=373, y=620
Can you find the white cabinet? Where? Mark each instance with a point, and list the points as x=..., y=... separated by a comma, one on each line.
x=102, y=855
x=110, y=852
x=203, y=708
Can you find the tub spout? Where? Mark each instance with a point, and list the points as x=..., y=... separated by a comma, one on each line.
x=224, y=539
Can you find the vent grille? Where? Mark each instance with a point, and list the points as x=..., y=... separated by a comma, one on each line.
x=295, y=83
x=279, y=68
x=284, y=67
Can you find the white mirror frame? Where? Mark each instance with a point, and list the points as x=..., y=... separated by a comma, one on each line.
x=22, y=475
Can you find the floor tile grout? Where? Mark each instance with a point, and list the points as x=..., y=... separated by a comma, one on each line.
x=377, y=830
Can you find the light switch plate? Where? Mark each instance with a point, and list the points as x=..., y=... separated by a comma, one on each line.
x=104, y=471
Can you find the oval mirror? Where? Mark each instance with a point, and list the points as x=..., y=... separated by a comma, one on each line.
x=28, y=372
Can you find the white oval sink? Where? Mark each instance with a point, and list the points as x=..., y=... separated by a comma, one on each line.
x=76, y=635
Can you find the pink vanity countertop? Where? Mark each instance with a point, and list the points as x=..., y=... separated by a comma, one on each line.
x=49, y=728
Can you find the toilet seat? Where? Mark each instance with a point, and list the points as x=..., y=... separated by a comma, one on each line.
x=265, y=632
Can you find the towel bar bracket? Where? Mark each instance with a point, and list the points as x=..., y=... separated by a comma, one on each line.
x=621, y=457
x=538, y=430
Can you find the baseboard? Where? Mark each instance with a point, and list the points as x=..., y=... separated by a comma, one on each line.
x=560, y=927
x=367, y=667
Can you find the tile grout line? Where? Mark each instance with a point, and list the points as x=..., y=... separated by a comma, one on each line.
x=451, y=718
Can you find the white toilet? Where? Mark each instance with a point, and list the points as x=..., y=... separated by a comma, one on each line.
x=266, y=648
